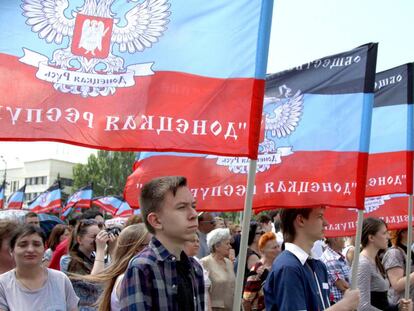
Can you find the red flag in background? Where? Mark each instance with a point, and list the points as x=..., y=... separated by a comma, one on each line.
x=392, y=209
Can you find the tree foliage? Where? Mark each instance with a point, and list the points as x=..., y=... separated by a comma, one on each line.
x=107, y=171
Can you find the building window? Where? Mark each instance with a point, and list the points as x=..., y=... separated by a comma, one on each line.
x=14, y=186
x=40, y=180
x=66, y=182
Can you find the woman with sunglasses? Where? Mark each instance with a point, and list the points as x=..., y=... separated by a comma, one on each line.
x=31, y=286
x=253, y=252
x=86, y=248
x=86, y=256
x=131, y=241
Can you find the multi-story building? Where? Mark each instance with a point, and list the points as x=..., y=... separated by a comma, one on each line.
x=38, y=176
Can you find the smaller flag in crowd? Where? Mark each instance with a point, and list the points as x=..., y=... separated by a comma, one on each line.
x=125, y=210
x=15, y=201
x=47, y=201
x=112, y=204
x=81, y=198
x=66, y=213
x=2, y=190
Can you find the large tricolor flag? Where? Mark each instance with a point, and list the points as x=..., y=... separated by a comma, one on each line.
x=81, y=198
x=2, y=191
x=390, y=164
x=16, y=199
x=160, y=75
x=47, y=200
x=313, y=148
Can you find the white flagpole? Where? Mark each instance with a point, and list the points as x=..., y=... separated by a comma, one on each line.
x=355, y=261
x=409, y=242
x=247, y=215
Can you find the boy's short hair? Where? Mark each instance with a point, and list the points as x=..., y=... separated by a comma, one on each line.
x=91, y=214
x=153, y=194
x=30, y=215
x=287, y=219
x=264, y=219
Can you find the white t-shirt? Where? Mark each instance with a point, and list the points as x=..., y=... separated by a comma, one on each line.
x=56, y=295
x=115, y=304
x=318, y=249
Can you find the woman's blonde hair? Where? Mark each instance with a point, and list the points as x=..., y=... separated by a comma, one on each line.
x=130, y=242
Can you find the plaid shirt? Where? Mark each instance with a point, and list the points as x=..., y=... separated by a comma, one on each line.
x=337, y=269
x=150, y=282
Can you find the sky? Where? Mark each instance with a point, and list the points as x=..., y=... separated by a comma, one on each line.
x=302, y=30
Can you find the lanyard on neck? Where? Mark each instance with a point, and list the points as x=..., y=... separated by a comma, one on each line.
x=319, y=287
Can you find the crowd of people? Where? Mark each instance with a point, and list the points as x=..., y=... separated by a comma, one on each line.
x=174, y=258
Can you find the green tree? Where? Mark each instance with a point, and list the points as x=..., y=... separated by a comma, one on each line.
x=108, y=171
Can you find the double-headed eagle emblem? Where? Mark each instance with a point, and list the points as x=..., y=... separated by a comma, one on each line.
x=92, y=31
x=281, y=115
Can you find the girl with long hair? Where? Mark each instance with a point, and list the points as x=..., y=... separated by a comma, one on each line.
x=372, y=278
x=131, y=241
x=58, y=234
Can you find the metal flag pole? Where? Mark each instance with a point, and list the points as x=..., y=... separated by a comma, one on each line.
x=355, y=261
x=247, y=215
x=409, y=242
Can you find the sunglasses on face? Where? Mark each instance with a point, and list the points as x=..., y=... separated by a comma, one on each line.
x=260, y=233
x=211, y=222
x=91, y=222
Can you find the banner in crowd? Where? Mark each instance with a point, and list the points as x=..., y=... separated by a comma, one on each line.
x=81, y=198
x=136, y=75
x=313, y=148
x=2, y=191
x=390, y=164
x=109, y=204
x=393, y=209
x=16, y=199
x=47, y=200
x=125, y=210
x=115, y=205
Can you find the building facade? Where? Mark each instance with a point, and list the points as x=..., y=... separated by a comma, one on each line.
x=38, y=176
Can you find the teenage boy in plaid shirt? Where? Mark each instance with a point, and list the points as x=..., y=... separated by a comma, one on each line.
x=162, y=277
x=338, y=270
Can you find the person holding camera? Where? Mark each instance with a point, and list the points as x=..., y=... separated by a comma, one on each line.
x=87, y=250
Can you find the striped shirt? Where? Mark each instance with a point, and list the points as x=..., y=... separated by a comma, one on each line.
x=151, y=283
